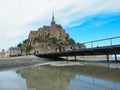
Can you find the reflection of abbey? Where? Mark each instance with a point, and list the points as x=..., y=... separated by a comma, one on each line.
x=43, y=34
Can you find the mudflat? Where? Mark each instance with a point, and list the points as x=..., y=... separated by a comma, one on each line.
x=21, y=61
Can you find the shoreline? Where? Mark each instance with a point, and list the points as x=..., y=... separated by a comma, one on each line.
x=25, y=61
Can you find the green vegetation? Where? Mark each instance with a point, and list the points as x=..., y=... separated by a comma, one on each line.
x=37, y=39
x=25, y=41
x=28, y=49
x=54, y=41
x=19, y=45
x=71, y=41
x=57, y=42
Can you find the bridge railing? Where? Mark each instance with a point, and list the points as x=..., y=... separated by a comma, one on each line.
x=103, y=42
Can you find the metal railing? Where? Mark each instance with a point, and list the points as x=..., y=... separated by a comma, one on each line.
x=106, y=42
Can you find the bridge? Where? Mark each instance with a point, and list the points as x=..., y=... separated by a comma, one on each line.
x=111, y=46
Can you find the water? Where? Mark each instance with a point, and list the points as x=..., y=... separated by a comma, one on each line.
x=82, y=82
x=60, y=78
x=99, y=59
x=10, y=80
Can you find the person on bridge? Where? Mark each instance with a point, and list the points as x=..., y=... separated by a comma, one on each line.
x=59, y=48
x=63, y=48
x=56, y=49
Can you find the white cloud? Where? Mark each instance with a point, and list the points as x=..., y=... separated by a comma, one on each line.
x=17, y=16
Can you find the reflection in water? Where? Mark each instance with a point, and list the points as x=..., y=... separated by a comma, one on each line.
x=71, y=78
x=10, y=80
x=61, y=78
x=82, y=82
x=46, y=78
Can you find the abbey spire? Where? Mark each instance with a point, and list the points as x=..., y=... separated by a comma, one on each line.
x=53, y=21
x=53, y=17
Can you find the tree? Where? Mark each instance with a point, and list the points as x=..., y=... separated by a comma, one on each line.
x=19, y=45
x=25, y=41
x=28, y=49
x=52, y=40
x=71, y=41
x=3, y=50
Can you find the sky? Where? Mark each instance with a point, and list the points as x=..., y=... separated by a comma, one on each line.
x=83, y=20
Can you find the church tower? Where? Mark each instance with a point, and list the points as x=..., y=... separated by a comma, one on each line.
x=53, y=21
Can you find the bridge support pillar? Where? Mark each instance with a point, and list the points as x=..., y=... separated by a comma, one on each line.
x=75, y=58
x=107, y=58
x=115, y=57
x=66, y=57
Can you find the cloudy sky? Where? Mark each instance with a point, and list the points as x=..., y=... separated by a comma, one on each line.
x=84, y=20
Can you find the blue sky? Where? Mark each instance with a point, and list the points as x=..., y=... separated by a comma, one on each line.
x=83, y=20
x=96, y=27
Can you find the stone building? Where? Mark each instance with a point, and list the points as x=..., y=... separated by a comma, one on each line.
x=46, y=32
x=14, y=51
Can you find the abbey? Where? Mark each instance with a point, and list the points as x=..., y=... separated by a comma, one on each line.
x=46, y=38
x=47, y=32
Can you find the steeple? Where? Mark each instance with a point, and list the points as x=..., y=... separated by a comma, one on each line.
x=53, y=17
x=53, y=21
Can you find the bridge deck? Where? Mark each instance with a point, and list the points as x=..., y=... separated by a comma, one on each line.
x=106, y=50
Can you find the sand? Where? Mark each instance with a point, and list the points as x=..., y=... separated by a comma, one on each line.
x=23, y=61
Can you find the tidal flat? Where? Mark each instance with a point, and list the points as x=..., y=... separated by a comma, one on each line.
x=32, y=73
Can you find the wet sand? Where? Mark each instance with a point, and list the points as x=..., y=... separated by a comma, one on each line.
x=23, y=61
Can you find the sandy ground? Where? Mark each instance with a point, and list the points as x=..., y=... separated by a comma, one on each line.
x=23, y=61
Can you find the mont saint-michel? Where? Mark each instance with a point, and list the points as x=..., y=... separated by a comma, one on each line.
x=52, y=38
x=46, y=38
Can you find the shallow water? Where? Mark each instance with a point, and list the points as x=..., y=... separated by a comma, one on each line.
x=60, y=78
x=98, y=59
